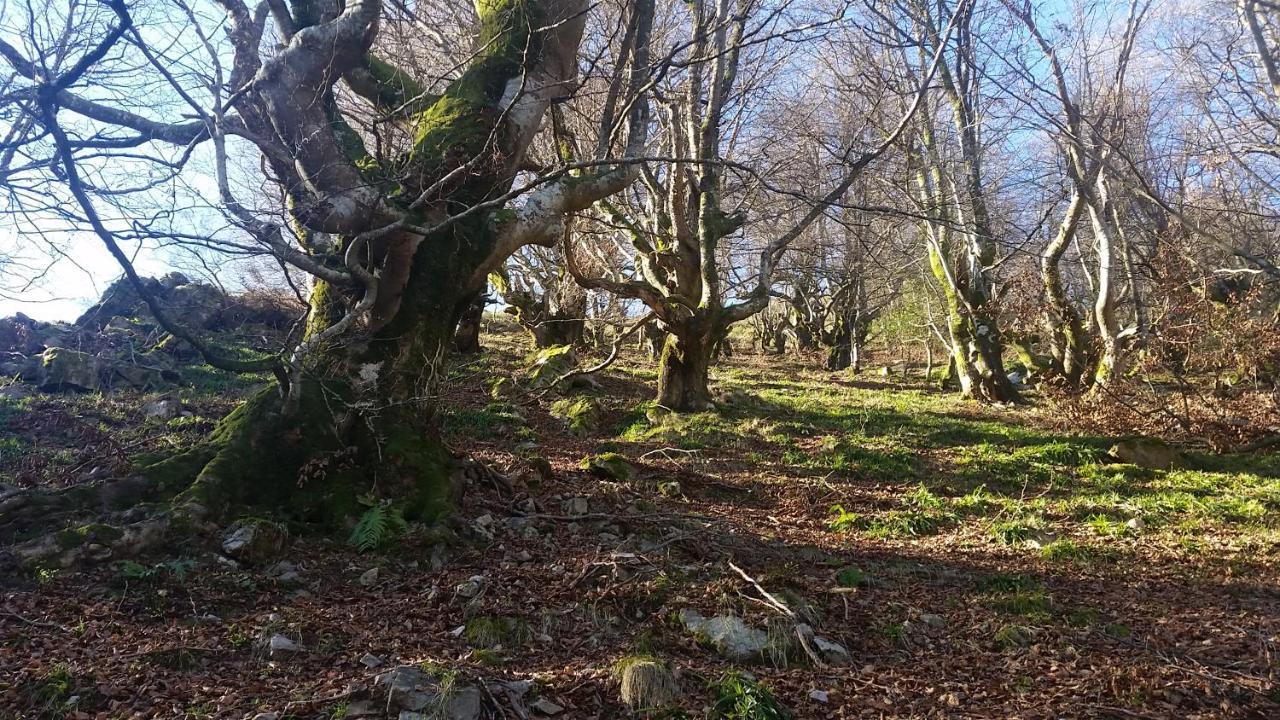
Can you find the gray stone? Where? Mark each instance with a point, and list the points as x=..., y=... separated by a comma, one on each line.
x=16, y=391
x=546, y=707
x=411, y=690
x=370, y=660
x=1148, y=453
x=933, y=621
x=831, y=651
x=819, y=696
x=267, y=716
x=576, y=506
x=369, y=577
x=728, y=634
x=253, y=540
x=65, y=369
x=163, y=409
x=281, y=646
x=470, y=587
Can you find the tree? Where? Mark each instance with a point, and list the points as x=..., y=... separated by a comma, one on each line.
x=958, y=229
x=399, y=196
x=680, y=219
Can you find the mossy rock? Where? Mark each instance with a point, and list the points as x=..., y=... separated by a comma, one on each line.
x=609, y=466
x=581, y=414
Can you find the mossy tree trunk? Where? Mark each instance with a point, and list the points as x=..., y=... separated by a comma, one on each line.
x=684, y=368
x=398, y=247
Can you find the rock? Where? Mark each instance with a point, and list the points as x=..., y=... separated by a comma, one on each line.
x=370, y=660
x=608, y=466
x=199, y=305
x=546, y=707
x=369, y=577
x=285, y=572
x=470, y=587
x=280, y=646
x=411, y=690
x=15, y=392
x=728, y=634
x=819, y=696
x=65, y=369
x=362, y=709
x=484, y=526
x=933, y=621
x=580, y=415
x=267, y=716
x=120, y=299
x=173, y=279
x=163, y=409
x=253, y=540
x=1148, y=453
x=550, y=365
x=1135, y=524
x=19, y=334
x=524, y=556
x=576, y=506
x=140, y=377
x=831, y=652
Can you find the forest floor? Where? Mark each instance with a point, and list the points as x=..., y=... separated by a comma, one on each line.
x=974, y=562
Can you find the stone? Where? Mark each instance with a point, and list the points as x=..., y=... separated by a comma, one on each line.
x=524, y=556
x=16, y=391
x=933, y=621
x=470, y=587
x=369, y=577
x=66, y=369
x=576, y=506
x=370, y=660
x=267, y=716
x=1148, y=453
x=1135, y=524
x=140, y=377
x=163, y=409
x=253, y=541
x=280, y=646
x=411, y=690
x=728, y=634
x=608, y=466
x=819, y=696
x=831, y=652
x=546, y=707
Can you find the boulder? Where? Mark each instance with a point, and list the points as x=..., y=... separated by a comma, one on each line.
x=253, y=540
x=121, y=299
x=728, y=634
x=196, y=305
x=1148, y=453
x=19, y=334
x=66, y=369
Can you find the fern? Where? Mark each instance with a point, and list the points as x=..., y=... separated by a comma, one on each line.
x=380, y=524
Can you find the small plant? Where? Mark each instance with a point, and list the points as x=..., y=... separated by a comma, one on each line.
x=1013, y=532
x=1012, y=636
x=381, y=523
x=842, y=520
x=740, y=697
x=495, y=633
x=850, y=577
x=645, y=682
x=1031, y=603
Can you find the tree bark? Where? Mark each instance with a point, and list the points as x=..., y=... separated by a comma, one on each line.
x=683, y=371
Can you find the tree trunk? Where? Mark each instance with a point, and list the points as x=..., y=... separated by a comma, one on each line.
x=683, y=372
x=466, y=340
